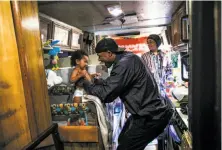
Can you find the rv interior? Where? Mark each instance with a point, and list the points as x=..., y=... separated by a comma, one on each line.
x=40, y=38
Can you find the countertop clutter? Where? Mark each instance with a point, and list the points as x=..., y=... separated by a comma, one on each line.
x=178, y=132
x=180, y=106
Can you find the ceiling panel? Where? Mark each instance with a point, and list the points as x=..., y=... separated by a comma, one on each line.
x=89, y=16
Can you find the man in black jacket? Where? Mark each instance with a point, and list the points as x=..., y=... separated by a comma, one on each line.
x=133, y=82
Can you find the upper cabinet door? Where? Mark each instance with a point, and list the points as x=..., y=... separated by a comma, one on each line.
x=45, y=29
x=70, y=38
x=174, y=30
x=76, y=38
x=181, y=13
x=176, y=24
x=63, y=34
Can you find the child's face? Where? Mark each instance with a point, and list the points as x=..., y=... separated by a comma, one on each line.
x=83, y=62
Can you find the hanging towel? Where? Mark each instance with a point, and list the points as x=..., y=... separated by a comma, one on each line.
x=102, y=119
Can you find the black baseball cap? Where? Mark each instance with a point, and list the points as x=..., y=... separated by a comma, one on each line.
x=108, y=44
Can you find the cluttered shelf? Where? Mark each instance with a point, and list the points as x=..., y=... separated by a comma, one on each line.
x=178, y=97
x=78, y=122
x=184, y=117
x=179, y=136
x=179, y=111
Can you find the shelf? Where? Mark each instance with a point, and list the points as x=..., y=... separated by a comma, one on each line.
x=62, y=49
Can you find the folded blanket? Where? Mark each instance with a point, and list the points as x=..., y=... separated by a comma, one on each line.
x=102, y=118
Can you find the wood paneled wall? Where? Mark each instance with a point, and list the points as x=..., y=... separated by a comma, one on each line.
x=24, y=102
x=14, y=127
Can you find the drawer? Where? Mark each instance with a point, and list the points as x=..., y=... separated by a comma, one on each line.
x=79, y=133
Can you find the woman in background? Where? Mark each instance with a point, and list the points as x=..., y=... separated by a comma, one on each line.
x=155, y=59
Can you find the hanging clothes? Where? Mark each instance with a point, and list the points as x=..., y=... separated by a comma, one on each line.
x=159, y=65
x=116, y=113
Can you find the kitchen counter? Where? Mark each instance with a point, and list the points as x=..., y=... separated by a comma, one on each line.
x=183, y=117
x=176, y=105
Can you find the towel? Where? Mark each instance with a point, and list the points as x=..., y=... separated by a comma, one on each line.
x=102, y=118
x=52, y=78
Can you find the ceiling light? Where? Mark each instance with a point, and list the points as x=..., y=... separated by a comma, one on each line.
x=115, y=10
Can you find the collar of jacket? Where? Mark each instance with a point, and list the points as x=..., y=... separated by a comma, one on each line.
x=119, y=56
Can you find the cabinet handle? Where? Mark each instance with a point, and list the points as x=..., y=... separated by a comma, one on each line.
x=181, y=29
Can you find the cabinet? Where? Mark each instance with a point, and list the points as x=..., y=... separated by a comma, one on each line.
x=176, y=25
x=69, y=36
x=76, y=40
x=63, y=34
x=45, y=29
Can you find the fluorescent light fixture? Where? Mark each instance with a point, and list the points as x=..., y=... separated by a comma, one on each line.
x=115, y=10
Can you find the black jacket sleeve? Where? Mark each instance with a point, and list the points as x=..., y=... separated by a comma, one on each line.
x=113, y=86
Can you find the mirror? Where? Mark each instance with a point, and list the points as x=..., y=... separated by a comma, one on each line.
x=185, y=67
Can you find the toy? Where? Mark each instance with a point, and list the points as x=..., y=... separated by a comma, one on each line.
x=55, y=63
x=53, y=52
x=74, y=108
x=84, y=107
x=77, y=112
x=58, y=109
x=83, y=113
x=82, y=122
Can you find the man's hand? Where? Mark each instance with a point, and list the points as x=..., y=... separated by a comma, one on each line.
x=96, y=75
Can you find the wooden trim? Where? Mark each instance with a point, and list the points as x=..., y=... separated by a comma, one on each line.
x=168, y=34
x=24, y=69
x=79, y=133
x=14, y=125
x=183, y=3
x=49, y=26
x=33, y=73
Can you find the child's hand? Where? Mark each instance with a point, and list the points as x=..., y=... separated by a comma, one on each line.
x=96, y=75
x=83, y=73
